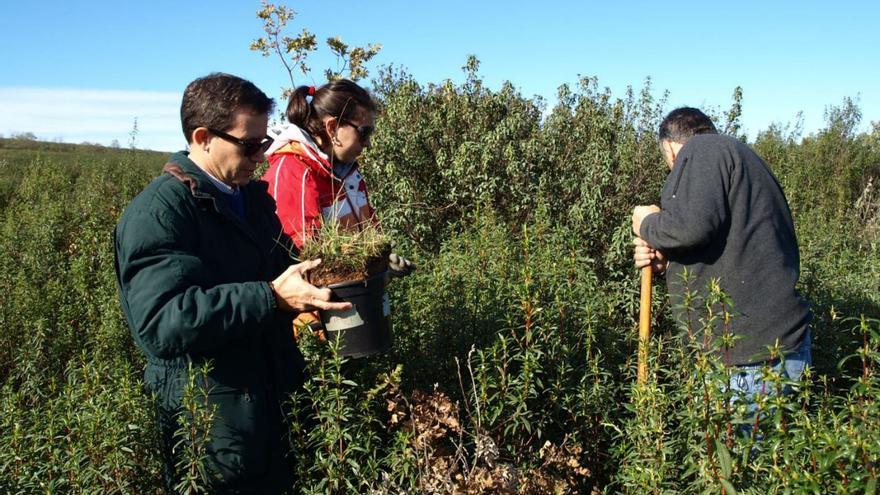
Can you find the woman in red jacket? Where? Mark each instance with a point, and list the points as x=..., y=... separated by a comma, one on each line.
x=313, y=171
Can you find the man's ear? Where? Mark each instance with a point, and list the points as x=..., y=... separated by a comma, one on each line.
x=670, y=150
x=200, y=138
x=674, y=148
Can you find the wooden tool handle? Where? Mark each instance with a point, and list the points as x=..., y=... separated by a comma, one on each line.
x=644, y=322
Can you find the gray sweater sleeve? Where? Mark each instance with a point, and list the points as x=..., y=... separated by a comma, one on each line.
x=694, y=204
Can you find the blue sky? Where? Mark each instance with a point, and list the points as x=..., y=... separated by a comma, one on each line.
x=83, y=71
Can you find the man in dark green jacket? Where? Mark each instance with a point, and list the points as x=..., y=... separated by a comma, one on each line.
x=205, y=274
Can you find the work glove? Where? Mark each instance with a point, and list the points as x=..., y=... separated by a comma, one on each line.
x=308, y=321
x=398, y=266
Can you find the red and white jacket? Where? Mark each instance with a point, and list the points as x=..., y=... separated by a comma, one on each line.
x=306, y=192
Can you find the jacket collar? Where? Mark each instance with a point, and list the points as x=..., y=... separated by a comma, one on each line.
x=201, y=186
x=294, y=140
x=182, y=168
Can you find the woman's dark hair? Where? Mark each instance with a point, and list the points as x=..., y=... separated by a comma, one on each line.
x=683, y=123
x=212, y=101
x=342, y=99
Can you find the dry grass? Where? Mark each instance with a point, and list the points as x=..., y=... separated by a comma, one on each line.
x=346, y=254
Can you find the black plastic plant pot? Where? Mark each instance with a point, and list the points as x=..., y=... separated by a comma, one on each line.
x=365, y=329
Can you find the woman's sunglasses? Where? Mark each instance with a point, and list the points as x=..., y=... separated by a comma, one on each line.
x=250, y=148
x=364, y=131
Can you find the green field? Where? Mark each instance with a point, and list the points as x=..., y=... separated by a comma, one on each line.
x=513, y=364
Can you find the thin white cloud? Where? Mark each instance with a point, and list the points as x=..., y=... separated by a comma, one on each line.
x=76, y=115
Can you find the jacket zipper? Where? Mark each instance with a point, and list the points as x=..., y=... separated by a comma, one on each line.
x=678, y=179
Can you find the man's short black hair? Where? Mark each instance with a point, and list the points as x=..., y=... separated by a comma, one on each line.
x=212, y=101
x=683, y=123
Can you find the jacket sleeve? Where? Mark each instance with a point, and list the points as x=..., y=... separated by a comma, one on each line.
x=296, y=197
x=166, y=290
x=695, y=209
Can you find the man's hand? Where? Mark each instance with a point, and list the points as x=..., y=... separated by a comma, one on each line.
x=646, y=255
x=398, y=266
x=293, y=293
x=639, y=214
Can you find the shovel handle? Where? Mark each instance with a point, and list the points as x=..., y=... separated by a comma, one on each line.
x=644, y=322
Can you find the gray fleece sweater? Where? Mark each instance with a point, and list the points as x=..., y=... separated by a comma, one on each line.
x=725, y=216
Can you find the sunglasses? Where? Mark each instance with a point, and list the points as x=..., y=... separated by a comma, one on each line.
x=250, y=148
x=364, y=131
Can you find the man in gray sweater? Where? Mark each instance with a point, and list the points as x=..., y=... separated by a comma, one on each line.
x=723, y=216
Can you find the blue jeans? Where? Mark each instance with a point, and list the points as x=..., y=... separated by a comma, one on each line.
x=747, y=383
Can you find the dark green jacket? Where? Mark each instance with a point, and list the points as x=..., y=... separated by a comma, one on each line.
x=192, y=280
